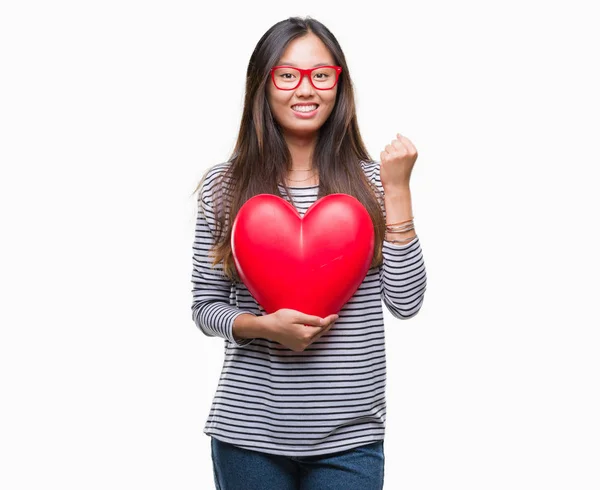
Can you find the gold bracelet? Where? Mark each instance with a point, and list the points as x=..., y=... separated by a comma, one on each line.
x=400, y=226
x=399, y=229
x=400, y=222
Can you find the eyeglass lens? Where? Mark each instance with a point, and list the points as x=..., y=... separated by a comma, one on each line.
x=288, y=78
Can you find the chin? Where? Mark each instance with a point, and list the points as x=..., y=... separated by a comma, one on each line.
x=303, y=131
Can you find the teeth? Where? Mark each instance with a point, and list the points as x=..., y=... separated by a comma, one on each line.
x=304, y=108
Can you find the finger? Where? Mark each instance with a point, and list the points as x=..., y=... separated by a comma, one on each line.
x=314, y=328
x=406, y=142
x=399, y=146
x=329, y=324
x=326, y=323
x=322, y=331
x=311, y=320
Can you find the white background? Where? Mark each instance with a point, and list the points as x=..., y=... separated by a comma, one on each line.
x=111, y=111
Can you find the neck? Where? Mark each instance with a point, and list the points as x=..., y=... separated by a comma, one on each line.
x=301, y=148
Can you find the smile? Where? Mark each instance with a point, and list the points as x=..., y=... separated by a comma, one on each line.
x=305, y=111
x=304, y=108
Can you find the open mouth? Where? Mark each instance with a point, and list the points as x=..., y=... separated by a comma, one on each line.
x=305, y=109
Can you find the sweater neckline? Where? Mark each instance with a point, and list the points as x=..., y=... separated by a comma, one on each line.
x=301, y=188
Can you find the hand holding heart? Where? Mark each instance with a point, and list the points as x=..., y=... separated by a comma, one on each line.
x=294, y=329
x=397, y=162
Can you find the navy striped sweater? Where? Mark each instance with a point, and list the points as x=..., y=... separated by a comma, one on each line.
x=329, y=397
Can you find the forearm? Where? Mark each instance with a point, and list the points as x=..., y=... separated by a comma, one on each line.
x=398, y=208
x=402, y=276
x=249, y=326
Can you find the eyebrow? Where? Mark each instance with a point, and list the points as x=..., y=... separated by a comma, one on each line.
x=314, y=66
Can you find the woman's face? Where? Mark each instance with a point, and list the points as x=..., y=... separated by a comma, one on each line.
x=304, y=52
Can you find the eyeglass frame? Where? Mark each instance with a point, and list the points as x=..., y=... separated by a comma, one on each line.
x=307, y=72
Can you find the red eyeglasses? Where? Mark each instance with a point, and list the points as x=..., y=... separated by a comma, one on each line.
x=320, y=77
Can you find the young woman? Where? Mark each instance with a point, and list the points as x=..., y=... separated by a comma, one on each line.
x=301, y=399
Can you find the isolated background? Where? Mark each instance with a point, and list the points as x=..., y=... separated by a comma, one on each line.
x=111, y=111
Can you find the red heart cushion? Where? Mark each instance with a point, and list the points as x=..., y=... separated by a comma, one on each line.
x=313, y=264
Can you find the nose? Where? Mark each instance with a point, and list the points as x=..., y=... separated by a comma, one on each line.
x=305, y=86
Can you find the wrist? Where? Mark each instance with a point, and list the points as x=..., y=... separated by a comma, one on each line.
x=398, y=212
x=396, y=192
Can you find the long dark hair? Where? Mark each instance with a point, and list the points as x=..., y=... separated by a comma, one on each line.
x=261, y=158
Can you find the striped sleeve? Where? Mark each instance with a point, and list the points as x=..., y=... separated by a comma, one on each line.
x=212, y=310
x=402, y=276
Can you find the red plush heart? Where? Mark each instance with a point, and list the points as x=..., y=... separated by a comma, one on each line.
x=313, y=264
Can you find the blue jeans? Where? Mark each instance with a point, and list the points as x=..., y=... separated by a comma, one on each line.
x=235, y=468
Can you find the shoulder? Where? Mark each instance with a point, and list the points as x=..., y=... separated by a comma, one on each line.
x=213, y=176
x=212, y=182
